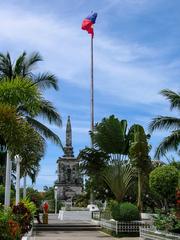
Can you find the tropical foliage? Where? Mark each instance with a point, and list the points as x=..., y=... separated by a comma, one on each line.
x=110, y=135
x=172, y=141
x=16, y=221
x=139, y=157
x=125, y=212
x=163, y=181
x=22, y=69
x=167, y=222
x=93, y=161
x=118, y=177
x=21, y=102
x=23, y=66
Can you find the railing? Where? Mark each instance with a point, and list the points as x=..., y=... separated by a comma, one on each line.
x=153, y=234
x=97, y=215
x=123, y=227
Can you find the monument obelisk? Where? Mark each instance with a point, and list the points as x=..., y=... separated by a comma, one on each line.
x=69, y=183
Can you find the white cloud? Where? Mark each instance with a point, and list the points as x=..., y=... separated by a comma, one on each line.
x=126, y=73
x=119, y=66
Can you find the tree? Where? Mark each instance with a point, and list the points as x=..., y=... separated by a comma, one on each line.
x=22, y=69
x=163, y=181
x=172, y=141
x=92, y=163
x=110, y=135
x=118, y=177
x=35, y=196
x=23, y=66
x=139, y=158
x=15, y=131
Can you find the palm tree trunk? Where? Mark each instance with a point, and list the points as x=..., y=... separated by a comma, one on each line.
x=7, y=194
x=17, y=160
x=139, y=200
x=24, y=186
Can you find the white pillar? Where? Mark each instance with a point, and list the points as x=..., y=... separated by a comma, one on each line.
x=24, y=187
x=17, y=161
x=7, y=180
x=55, y=198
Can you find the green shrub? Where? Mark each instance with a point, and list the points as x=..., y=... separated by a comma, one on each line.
x=23, y=217
x=163, y=181
x=9, y=228
x=167, y=222
x=125, y=212
x=29, y=205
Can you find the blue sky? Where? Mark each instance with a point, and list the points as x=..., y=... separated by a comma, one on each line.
x=136, y=54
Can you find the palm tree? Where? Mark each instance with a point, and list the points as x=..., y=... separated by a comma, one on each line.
x=139, y=158
x=118, y=177
x=110, y=135
x=92, y=163
x=172, y=141
x=22, y=68
x=15, y=131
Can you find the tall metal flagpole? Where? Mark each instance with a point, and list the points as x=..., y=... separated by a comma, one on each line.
x=92, y=90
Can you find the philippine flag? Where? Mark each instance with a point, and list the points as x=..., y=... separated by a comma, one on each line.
x=88, y=23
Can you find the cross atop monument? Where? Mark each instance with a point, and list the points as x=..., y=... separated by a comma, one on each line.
x=68, y=149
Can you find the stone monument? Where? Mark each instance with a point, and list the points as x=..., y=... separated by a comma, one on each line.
x=69, y=183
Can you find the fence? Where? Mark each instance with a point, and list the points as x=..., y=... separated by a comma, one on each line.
x=153, y=234
x=123, y=227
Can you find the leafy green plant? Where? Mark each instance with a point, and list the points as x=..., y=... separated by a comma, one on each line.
x=23, y=216
x=163, y=181
x=29, y=205
x=167, y=222
x=172, y=141
x=125, y=212
x=118, y=176
x=9, y=229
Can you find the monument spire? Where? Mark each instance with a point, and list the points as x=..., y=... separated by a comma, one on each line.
x=68, y=150
x=68, y=133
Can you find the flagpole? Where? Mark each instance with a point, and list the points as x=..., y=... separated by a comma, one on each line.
x=92, y=90
x=92, y=107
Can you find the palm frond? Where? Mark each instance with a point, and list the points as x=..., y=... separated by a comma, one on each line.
x=119, y=178
x=164, y=122
x=48, y=111
x=19, y=65
x=46, y=80
x=45, y=131
x=29, y=63
x=173, y=97
x=171, y=142
x=6, y=66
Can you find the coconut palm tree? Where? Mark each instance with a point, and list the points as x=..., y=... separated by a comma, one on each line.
x=15, y=131
x=23, y=68
x=172, y=141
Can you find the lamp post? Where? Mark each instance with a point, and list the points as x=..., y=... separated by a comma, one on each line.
x=17, y=161
x=55, y=198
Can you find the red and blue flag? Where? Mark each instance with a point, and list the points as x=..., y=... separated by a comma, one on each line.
x=88, y=23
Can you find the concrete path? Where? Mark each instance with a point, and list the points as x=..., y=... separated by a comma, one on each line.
x=76, y=235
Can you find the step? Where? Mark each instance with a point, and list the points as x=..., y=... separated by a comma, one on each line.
x=66, y=227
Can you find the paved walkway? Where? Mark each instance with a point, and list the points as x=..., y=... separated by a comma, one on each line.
x=76, y=235
x=72, y=235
